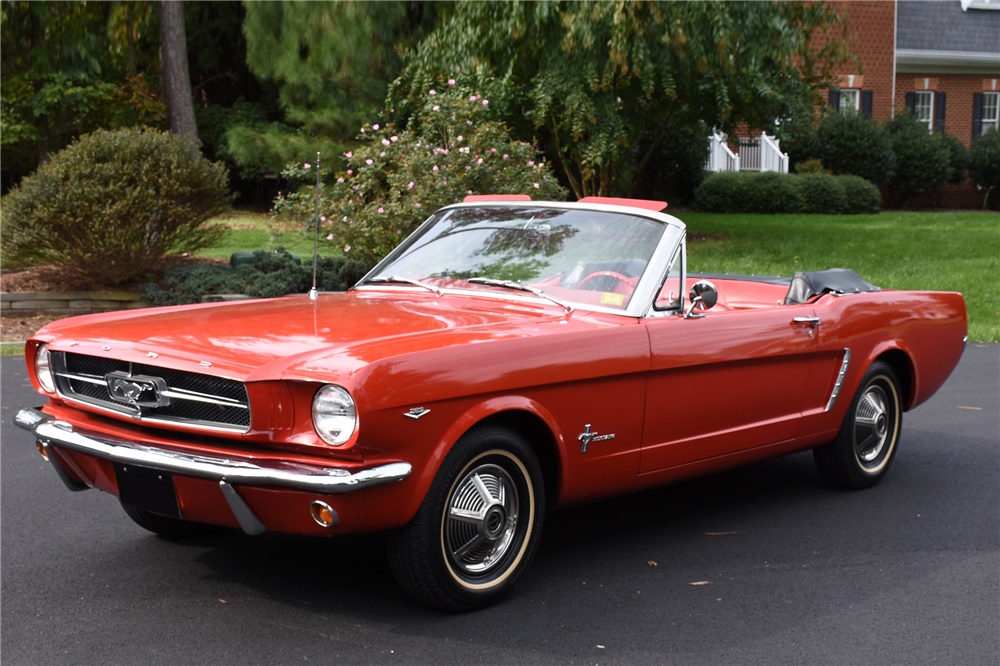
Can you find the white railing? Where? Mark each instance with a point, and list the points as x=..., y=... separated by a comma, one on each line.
x=720, y=158
x=761, y=153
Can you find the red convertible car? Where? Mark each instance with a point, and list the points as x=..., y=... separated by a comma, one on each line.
x=508, y=357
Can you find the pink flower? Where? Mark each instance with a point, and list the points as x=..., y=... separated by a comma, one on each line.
x=385, y=142
x=435, y=107
x=435, y=167
x=479, y=161
x=308, y=165
x=375, y=126
x=362, y=130
x=382, y=210
x=330, y=237
x=505, y=155
x=349, y=153
x=381, y=154
x=493, y=150
x=329, y=221
x=416, y=205
x=469, y=192
x=355, y=186
x=347, y=248
x=486, y=102
x=323, y=217
x=536, y=186
x=451, y=82
x=530, y=163
x=468, y=122
x=410, y=185
x=399, y=232
x=340, y=180
x=394, y=139
x=434, y=92
x=459, y=137
x=472, y=99
x=350, y=171
x=370, y=161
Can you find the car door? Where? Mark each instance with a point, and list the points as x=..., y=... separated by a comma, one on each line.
x=729, y=381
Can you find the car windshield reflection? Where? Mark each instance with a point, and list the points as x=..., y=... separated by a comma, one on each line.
x=583, y=257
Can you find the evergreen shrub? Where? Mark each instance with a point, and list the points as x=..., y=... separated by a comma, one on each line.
x=821, y=194
x=984, y=165
x=861, y=197
x=110, y=207
x=849, y=143
x=272, y=274
x=773, y=193
x=922, y=160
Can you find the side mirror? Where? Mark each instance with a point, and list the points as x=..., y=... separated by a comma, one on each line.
x=703, y=295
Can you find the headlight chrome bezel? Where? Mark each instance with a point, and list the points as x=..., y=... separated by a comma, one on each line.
x=334, y=415
x=43, y=369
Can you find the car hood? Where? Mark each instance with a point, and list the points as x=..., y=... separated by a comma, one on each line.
x=291, y=338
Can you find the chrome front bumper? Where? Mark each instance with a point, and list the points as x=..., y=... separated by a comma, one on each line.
x=50, y=432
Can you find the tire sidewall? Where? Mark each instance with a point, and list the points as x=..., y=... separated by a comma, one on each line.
x=506, y=449
x=883, y=377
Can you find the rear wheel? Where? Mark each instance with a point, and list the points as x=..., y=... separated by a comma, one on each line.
x=478, y=527
x=866, y=444
x=170, y=528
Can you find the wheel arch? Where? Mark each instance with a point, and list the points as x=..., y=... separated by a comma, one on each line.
x=541, y=439
x=902, y=365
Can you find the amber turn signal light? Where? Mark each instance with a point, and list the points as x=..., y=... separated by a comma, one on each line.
x=323, y=513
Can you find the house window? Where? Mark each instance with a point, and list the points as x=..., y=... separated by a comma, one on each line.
x=923, y=110
x=991, y=112
x=849, y=100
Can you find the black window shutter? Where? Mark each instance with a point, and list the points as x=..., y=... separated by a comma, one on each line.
x=866, y=103
x=939, y=104
x=977, y=115
x=911, y=103
x=835, y=99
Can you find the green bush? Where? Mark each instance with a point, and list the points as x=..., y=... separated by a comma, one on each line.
x=771, y=193
x=272, y=274
x=958, y=157
x=396, y=178
x=984, y=165
x=849, y=143
x=821, y=194
x=922, y=160
x=108, y=209
x=861, y=197
x=744, y=192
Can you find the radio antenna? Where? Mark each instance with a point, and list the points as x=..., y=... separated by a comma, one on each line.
x=313, y=294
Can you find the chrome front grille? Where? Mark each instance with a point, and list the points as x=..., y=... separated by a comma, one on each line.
x=183, y=397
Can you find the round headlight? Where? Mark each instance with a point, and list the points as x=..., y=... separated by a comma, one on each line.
x=334, y=416
x=42, y=369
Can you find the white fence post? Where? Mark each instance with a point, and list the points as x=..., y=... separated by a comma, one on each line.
x=720, y=158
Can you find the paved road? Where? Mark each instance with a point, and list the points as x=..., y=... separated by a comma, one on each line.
x=908, y=572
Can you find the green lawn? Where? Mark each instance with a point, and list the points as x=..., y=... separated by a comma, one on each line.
x=956, y=251
x=253, y=231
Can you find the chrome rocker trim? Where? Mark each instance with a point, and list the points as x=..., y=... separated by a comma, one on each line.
x=291, y=475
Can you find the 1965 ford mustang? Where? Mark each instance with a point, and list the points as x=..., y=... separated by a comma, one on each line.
x=508, y=357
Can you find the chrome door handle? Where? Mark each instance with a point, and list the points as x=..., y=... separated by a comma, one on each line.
x=813, y=322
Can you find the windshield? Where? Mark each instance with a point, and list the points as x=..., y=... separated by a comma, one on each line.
x=582, y=256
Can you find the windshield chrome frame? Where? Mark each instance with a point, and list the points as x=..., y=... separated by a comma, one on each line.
x=641, y=302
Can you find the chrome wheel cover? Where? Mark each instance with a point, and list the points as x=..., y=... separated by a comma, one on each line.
x=873, y=427
x=481, y=520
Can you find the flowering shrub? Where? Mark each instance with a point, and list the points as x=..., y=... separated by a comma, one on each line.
x=396, y=178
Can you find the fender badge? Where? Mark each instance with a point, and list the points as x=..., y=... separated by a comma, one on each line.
x=587, y=437
x=417, y=412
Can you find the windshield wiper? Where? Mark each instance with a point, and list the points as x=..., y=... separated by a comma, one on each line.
x=404, y=280
x=509, y=284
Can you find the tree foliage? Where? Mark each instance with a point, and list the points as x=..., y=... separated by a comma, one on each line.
x=849, y=143
x=332, y=63
x=595, y=78
x=922, y=160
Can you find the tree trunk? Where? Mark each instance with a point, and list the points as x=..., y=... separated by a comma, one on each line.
x=42, y=123
x=130, y=34
x=175, y=68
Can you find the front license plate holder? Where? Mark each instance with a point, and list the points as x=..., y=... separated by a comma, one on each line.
x=147, y=489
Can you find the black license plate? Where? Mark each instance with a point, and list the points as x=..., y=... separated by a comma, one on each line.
x=147, y=489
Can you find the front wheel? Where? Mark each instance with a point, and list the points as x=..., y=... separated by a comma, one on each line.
x=866, y=444
x=478, y=527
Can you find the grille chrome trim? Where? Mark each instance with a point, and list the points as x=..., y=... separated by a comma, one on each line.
x=234, y=413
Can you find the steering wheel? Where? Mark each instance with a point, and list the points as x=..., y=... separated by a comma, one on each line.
x=617, y=276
